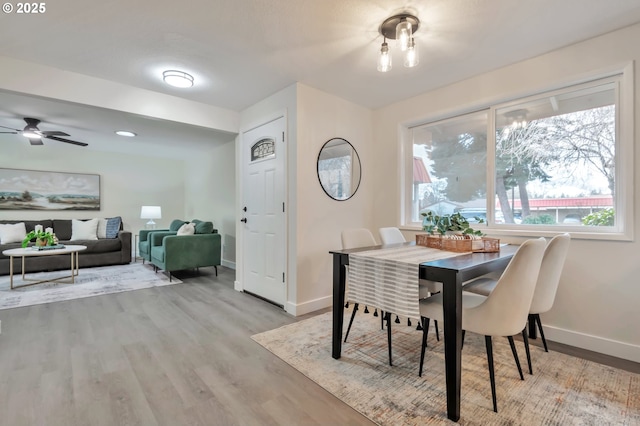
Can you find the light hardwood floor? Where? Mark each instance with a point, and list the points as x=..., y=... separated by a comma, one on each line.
x=175, y=355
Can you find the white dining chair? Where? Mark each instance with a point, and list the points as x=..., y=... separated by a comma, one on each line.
x=356, y=238
x=545, y=293
x=393, y=235
x=503, y=313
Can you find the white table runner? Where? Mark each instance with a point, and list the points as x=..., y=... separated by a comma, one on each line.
x=388, y=278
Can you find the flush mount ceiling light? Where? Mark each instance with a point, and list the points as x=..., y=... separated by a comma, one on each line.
x=125, y=133
x=401, y=28
x=177, y=78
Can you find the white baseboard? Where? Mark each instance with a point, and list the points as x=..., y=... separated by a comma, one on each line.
x=237, y=286
x=593, y=343
x=309, y=306
x=229, y=264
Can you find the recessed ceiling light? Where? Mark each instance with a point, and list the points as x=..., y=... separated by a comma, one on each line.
x=125, y=133
x=177, y=78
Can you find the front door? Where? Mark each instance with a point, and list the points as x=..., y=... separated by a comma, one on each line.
x=263, y=215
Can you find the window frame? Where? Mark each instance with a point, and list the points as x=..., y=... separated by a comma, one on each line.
x=624, y=201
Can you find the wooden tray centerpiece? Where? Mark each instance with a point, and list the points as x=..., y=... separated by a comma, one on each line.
x=454, y=233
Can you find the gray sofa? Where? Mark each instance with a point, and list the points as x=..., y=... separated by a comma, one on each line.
x=101, y=252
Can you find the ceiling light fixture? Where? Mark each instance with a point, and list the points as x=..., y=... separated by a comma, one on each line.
x=402, y=29
x=177, y=78
x=125, y=133
x=31, y=132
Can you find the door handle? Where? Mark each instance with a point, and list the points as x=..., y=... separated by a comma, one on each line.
x=244, y=219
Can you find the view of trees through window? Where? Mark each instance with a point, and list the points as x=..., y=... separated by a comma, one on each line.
x=554, y=161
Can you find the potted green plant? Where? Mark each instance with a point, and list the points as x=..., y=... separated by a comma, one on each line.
x=452, y=223
x=42, y=238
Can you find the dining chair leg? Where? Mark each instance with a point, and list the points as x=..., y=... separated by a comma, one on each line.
x=375, y=312
x=437, y=332
x=525, y=339
x=492, y=377
x=425, y=331
x=353, y=314
x=389, y=336
x=544, y=341
x=397, y=319
x=366, y=309
x=515, y=356
x=408, y=322
x=382, y=318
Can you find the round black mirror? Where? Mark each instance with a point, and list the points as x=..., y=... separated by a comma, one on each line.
x=339, y=169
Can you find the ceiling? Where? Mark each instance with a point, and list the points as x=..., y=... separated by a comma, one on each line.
x=242, y=51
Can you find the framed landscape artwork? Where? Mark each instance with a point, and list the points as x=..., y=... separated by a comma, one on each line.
x=37, y=190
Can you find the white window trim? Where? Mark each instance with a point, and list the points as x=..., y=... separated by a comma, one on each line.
x=625, y=129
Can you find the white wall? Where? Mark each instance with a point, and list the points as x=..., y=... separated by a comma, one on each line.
x=320, y=219
x=597, y=302
x=126, y=182
x=210, y=194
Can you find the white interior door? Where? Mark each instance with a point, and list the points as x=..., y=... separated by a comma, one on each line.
x=263, y=152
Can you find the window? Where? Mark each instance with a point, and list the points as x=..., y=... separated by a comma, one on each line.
x=555, y=157
x=449, y=165
x=551, y=162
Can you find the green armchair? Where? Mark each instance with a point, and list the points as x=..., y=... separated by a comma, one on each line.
x=171, y=252
x=144, y=242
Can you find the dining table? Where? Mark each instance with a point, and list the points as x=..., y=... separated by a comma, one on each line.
x=452, y=272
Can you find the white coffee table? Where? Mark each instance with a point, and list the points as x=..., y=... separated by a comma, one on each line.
x=73, y=250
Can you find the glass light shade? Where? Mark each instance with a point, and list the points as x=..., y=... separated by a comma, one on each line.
x=384, y=58
x=403, y=34
x=125, y=133
x=177, y=78
x=411, y=58
x=31, y=134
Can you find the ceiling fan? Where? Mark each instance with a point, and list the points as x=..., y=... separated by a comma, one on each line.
x=35, y=135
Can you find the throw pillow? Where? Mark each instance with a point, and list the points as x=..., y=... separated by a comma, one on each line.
x=187, y=229
x=113, y=226
x=12, y=233
x=84, y=229
x=204, y=227
x=102, y=228
x=176, y=224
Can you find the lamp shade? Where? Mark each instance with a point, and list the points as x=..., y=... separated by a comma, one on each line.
x=150, y=212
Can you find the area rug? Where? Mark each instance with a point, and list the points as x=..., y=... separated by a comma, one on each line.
x=562, y=391
x=90, y=282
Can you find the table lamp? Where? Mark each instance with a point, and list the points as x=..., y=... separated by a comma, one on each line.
x=151, y=212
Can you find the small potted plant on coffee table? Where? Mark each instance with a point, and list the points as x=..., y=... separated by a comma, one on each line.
x=42, y=239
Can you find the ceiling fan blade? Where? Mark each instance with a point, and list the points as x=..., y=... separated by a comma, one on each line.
x=10, y=128
x=55, y=133
x=66, y=140
x=35, y=141
x=13, y=133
